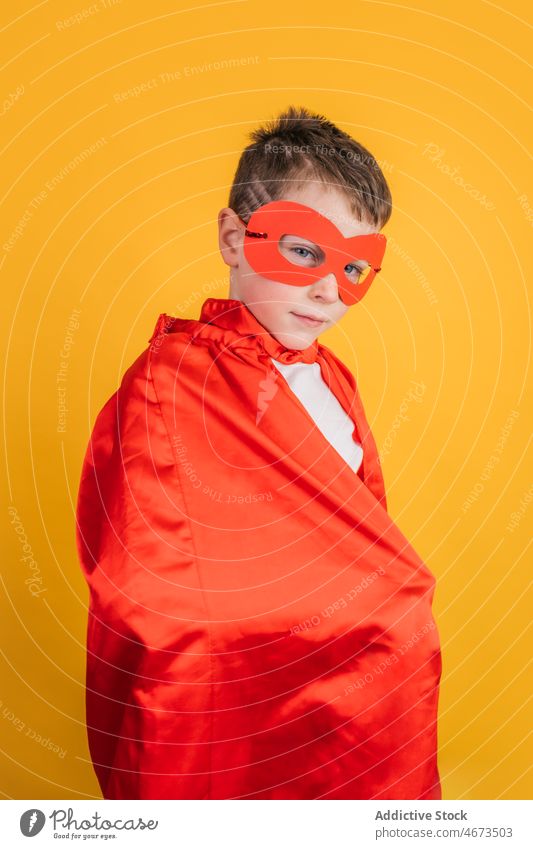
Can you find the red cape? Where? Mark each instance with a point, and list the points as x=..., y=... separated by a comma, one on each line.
x=259, y=627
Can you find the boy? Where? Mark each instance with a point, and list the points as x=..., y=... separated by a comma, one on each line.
x=259, y=628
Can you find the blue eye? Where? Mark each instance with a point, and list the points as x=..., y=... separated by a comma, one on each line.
x=305, y=253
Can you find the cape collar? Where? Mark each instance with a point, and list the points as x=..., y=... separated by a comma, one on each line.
x=233, y=314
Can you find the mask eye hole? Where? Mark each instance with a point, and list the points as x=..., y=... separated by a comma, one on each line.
x=357, y=271
x=300, y=251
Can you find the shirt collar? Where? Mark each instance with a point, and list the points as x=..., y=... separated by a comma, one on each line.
x=233, y=314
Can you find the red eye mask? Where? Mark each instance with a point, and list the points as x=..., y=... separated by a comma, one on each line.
x=277, y=246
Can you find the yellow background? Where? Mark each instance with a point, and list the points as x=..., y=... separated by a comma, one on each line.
x=438, y=92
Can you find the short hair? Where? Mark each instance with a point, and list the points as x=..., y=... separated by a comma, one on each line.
x=299, y=146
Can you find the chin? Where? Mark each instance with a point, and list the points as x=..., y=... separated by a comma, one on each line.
x=296, y=343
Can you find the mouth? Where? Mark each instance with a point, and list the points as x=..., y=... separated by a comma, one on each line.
x=310, y=320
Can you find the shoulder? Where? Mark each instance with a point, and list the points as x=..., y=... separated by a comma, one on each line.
x=160, y=355
x=135, y=383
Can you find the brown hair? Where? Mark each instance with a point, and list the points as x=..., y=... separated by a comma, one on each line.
x=299, y=146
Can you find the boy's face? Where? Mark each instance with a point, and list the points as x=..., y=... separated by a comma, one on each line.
x=279, y=307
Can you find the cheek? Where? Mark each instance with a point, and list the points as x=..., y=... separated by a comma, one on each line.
x=256, y=289
x=266, y=294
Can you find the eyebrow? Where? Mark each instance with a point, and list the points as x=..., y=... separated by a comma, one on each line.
x=318, y=248
x=300, y=238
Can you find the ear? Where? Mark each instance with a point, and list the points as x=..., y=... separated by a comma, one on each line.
x=230, y=236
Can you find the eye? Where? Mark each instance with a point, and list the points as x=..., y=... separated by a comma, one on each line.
x=303, y=252
x=299, y=251
x=357, y=273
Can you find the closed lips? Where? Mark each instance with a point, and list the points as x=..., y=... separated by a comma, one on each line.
x=313, y=317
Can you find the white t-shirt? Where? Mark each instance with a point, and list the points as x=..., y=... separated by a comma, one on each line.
x=307, y=383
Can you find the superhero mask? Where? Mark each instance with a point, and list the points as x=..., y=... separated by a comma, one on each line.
x=291, y=243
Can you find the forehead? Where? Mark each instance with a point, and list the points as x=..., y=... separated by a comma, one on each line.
x=332, y=204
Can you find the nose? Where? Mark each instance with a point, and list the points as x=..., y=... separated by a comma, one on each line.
x=326, y=288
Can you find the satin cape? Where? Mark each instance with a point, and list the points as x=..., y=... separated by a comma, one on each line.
x=259, y=627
